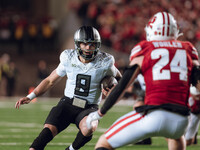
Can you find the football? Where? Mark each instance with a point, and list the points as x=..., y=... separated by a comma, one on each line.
x=108, y=82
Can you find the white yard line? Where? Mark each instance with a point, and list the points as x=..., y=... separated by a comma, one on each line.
x=17, y=124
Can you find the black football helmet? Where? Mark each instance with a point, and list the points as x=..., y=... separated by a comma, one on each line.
x=87, y=34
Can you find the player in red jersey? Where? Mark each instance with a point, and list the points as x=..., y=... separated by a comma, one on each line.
x=166, y=65
x=194, y=119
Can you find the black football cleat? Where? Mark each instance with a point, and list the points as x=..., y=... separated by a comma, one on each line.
x=195, y=138
x=144, y=142
x=67, y=148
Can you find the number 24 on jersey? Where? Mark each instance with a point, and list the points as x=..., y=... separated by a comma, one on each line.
x=178, y=64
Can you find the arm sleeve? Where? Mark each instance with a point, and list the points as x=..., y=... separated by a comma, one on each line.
x=119, y=89
x=195, y=76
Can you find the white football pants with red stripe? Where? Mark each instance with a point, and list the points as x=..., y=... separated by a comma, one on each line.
x=193, y=126
x=134, y=126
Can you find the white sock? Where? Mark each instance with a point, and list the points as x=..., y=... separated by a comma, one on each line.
x=71, y=148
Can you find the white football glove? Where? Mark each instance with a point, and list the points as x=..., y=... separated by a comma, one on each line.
x=92, y=117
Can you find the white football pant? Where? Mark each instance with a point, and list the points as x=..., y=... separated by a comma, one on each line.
x=134, y=126
x=193, y=126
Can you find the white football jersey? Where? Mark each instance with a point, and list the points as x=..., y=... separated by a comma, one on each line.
x=140, y=79
x=83, y=79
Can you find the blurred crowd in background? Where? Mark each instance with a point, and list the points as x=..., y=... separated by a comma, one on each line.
x=17, y=29
x=121, y=24
x=8, y=75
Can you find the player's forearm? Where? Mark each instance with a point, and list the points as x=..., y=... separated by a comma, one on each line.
x=118, y=91
x=44, y=86
x=47, y=83
x=115, y=94
x=39, y=90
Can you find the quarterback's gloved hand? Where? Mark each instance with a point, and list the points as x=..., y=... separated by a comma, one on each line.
x=92, y=117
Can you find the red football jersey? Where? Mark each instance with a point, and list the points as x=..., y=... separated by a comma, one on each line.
x=166, y=69
x=194, y=105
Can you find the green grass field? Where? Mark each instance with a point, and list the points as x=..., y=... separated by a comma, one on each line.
x=18, y=128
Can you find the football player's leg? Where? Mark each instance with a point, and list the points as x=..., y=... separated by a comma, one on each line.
x=103, y=144
x=45, y=136
x=84, y=135
x=192, y=128
x=129, y=126
x=177, y=144
x=195, y=138
x=80, y=141
x=173, y=126
x=53, y=125
x=83, y=127
x=140, y=102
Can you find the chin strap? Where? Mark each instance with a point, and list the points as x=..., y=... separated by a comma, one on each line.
x=92, y=56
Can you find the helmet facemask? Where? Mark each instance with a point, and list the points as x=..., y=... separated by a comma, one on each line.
x=83, y=53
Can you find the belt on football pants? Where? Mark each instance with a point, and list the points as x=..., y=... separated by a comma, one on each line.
x=78, y=102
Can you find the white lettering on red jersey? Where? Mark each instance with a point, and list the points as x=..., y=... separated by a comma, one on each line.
x=166, y=69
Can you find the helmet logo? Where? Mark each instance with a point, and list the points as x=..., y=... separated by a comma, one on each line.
x=151, y=21
x=162, y=26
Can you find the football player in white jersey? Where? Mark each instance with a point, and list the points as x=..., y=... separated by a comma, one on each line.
x=169, y=66
x=85, y=67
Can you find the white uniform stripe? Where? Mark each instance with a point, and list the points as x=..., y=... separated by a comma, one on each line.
x=195, y=52
x=136, y=50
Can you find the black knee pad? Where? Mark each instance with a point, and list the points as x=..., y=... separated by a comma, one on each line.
x=80, y=140
x=41, y=141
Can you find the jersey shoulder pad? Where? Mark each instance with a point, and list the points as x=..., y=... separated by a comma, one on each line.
x=189, y=45
x=67, y=55
x=137, y=49
x=194, y=50
x=106, y=59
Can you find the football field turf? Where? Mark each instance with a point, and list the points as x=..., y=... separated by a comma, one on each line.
x=18, y=128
